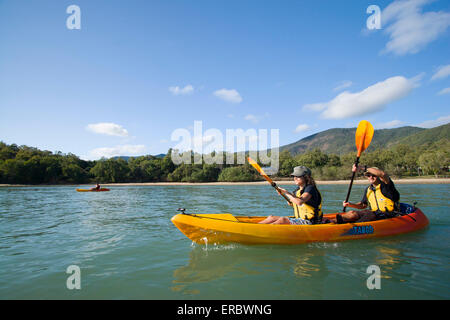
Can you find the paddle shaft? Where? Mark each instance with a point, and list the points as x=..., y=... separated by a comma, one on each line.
x=351, y=183
x=255, y=165
x=363, y=137
x=278, y=189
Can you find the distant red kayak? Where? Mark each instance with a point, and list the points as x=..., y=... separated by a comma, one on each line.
x=89, y=190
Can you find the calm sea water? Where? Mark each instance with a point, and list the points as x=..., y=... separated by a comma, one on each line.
x=127, y=248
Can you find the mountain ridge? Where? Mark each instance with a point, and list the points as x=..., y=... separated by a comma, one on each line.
x=342, y=140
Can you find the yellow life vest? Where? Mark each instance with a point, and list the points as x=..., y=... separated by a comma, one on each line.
x=306, y=211
x=378, y=201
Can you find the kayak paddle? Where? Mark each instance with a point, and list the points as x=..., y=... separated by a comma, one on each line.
x=363, y=137
x=265, y=176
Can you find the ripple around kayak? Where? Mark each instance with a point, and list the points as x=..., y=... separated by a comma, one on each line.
x=226, y=228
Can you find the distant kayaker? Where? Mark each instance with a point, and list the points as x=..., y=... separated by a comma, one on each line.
x=306, y=200
x=382, y=197
x=96, y=188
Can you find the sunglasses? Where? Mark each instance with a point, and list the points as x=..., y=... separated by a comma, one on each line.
x=370, y=176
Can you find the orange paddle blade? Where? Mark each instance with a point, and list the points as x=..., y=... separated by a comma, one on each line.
x=363, y=136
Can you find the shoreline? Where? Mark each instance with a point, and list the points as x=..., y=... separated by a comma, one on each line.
x=279, y=182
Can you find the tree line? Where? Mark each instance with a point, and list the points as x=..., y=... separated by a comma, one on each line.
x=28, y=165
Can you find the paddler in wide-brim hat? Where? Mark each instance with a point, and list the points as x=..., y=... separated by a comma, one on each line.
x=306, y=200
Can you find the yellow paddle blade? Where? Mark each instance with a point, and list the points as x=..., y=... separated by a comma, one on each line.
x=363, y=136
x=259, y=169
x=265, y=176
x=255, y=165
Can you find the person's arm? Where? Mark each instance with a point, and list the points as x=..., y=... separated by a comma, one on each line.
x=282, y=191
x=380, y=174
x=376, y=172
x=358, y=205
x=298, y=201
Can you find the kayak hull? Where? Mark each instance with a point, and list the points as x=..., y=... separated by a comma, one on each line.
x=89, y=190
x=226, y=228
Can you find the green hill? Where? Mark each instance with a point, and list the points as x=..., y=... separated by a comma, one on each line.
x=342, y=140
x=427, y=137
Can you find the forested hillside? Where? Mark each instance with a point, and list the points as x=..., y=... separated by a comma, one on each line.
x=406, y=151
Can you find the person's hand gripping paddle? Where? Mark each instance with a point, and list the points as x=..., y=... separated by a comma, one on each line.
x=363, y=137
x=265, y=176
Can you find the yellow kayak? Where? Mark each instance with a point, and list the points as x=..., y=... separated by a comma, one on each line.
x=225, y=228
x=89, y=190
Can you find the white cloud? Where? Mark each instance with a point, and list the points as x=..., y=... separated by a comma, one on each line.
x=409, y=29
x=444, y=91
x=435, y=123
x=181, y=91
x=442, y=72
x=252, y=118
x=342, y=85
x=302, y=127
x=314, y=106
x=389, y=125
x=228, y=95
x=108, y=128
x=256, y=118
x=121, y=150
x=369, y=100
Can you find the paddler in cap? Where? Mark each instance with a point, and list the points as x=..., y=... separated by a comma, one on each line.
x=381, y=195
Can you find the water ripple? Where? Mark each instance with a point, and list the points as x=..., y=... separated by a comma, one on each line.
x=127, y=247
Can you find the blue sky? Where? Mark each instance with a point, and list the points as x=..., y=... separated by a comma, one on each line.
x=137, y=71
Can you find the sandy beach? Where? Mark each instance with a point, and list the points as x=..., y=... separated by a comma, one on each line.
x=279, y=182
